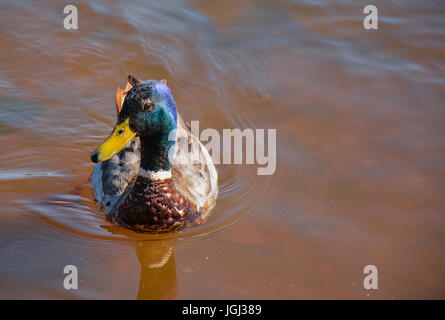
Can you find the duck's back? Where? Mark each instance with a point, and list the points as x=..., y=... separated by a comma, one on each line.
x=193, y=172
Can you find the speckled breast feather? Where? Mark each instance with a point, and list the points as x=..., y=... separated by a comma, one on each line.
x=156, y=206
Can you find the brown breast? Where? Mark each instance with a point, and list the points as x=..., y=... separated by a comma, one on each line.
x=156, y=206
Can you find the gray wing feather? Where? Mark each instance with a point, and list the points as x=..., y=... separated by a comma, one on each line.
x=196, y=178
x=112, y=179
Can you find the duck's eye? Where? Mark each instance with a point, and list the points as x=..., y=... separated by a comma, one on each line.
x=147, y=105
x=120, y=131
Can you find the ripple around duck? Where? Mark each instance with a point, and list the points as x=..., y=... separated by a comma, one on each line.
x=75, y=213
x=69, y=117
x=78, y=216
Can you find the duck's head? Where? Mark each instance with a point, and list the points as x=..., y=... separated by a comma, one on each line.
x=148, y=111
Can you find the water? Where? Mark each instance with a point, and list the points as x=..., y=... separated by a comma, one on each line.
x=360, y=147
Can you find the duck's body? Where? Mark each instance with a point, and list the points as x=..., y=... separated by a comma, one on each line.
x=138, y=186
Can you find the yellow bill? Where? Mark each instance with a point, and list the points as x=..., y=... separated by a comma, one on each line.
x=118, y=139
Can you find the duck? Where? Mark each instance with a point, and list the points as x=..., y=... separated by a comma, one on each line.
x=145, y=177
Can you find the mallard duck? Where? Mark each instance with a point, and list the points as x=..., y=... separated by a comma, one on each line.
x=143, y=179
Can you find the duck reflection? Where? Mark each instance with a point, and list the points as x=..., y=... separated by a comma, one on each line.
x=158, y=278
x=156, y=256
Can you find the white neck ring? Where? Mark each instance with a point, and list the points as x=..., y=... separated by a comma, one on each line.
x=155, y=175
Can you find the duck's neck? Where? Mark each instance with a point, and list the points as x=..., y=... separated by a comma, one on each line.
x=155, y=151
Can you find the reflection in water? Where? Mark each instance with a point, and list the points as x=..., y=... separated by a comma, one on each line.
x=156, y=256
x=158, y=270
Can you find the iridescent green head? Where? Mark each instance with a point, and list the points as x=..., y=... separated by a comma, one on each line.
x=148, y=111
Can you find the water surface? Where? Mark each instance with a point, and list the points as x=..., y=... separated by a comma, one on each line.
x=360, y=175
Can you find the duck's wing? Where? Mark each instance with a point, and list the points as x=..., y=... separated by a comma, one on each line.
x=195, y=177
x=111, y=179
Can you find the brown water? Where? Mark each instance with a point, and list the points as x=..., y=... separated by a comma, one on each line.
x=360, y=173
